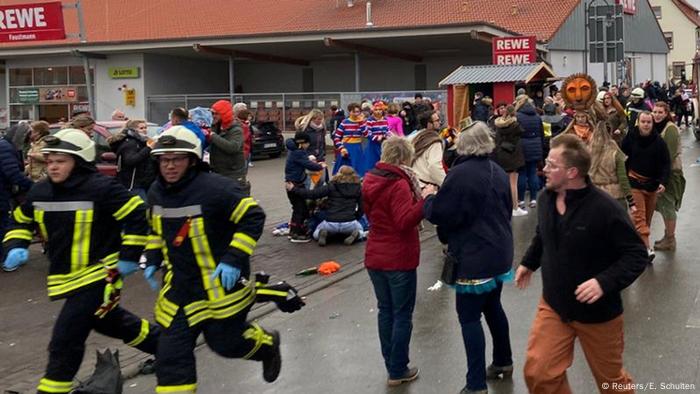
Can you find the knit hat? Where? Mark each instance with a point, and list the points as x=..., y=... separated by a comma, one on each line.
x=301, y=137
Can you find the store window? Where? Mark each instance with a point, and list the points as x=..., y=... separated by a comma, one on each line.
x=657, y=11
x=21, y=112
x=51, y=76
x=697, y=38
x=76, y=75
x=21, y=77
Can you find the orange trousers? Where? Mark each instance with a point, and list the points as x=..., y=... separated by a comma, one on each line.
x=646, y=203
x=550, y=352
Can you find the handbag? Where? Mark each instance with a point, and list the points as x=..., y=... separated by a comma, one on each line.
x=449, y=269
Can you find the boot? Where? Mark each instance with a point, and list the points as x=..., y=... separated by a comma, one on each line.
x=662, y=240
x=495, y=372
x=322, y=237
x=273, y=364
x=668, y=243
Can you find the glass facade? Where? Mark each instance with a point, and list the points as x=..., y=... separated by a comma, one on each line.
x=25, y=102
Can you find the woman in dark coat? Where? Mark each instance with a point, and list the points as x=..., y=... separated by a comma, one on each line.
x=509, y=152
x=136, y=168
x=533, y=147
x=472, y=210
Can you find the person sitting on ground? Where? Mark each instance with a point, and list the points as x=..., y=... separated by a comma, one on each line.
x=295, y=172
x=344, y=205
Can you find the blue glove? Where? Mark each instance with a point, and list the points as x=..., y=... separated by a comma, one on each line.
x=229, y=275
x=127, y=268
x=150, y=274
x=15, y=258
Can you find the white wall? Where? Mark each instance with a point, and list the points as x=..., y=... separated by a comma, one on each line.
x=641, y=68
x=108, y=97
x=662, y=72
x=179, y=75
x=565, y=63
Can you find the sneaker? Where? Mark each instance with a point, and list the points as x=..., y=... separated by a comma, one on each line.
x=521, y=204
x=300, y=239
x=651, y=255
x=533, y=203
x=273, y=365
x=410, y=375
x=519, y=212
x=352, y=238
x=322, y=235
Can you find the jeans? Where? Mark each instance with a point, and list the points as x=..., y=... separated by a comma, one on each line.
x=396, y=298
x=469, y=309
x=527, y=176
x=300, y=212
x=337, y=227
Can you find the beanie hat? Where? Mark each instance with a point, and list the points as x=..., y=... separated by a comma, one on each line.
x=301, y=137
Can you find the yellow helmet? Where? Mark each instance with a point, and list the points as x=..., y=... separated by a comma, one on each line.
x=71, y=141
x=178, y=139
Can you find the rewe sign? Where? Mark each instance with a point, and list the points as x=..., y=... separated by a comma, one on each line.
x=514, y=50
x=31, y=22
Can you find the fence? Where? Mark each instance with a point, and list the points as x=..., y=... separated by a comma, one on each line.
x=282, y=108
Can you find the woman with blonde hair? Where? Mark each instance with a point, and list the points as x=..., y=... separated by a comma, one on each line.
x=393, y=201
x=314, y=124
x=36, y=164
x=344, y=206
x=509, y=151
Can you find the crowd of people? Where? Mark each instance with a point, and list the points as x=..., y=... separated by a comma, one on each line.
x=181, y=203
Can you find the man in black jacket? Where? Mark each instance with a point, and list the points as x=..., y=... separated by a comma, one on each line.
x=589, y=251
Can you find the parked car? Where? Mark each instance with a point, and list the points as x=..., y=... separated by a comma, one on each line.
x=106, y=162
x=267, y=140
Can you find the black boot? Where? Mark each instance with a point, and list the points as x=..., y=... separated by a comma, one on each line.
x=273, y=364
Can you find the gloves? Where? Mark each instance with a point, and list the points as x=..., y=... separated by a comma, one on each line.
x=283, y=294
x=127, y=268
x=150, y=274
x=229, y=275
x=112, y=293
x=15, y=258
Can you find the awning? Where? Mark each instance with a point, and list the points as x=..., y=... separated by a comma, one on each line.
x=491, y=73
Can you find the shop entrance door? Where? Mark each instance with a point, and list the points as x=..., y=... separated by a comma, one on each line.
x=53, y=113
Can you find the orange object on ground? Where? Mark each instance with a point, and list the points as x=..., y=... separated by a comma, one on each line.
x=328, y=268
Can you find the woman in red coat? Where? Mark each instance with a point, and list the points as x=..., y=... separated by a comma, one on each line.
x=393, y=202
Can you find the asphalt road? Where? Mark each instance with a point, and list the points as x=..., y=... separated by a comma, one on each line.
x=332, y=345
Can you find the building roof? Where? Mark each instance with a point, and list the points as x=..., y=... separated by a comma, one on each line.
x=688, y=10
x=491, y=73
x=122, y=21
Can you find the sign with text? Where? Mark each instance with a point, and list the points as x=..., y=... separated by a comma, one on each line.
x=123, y=72
x=64, y=94
x=31, y=22
x=628, y=6
x=514, y=50
x=30, y=95
x=130, y=97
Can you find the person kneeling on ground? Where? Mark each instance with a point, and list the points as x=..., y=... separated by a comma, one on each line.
x=344, y=204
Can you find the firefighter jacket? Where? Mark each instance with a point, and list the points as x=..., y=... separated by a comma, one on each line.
x=200, y=221
x=89, y=221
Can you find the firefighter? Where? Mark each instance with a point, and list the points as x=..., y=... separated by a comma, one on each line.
x=204, y=229
x=92, y=225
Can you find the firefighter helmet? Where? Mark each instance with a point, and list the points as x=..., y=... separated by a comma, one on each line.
x=638, y=93
x=71, y=141
x=178, y=139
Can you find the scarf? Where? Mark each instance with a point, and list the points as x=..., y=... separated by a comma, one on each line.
x=358, y=119
x=424, y=140
x=583, y=132
x=415, y=185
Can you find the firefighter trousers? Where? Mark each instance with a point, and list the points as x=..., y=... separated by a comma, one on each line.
x=73, y=325
x=232, y=337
